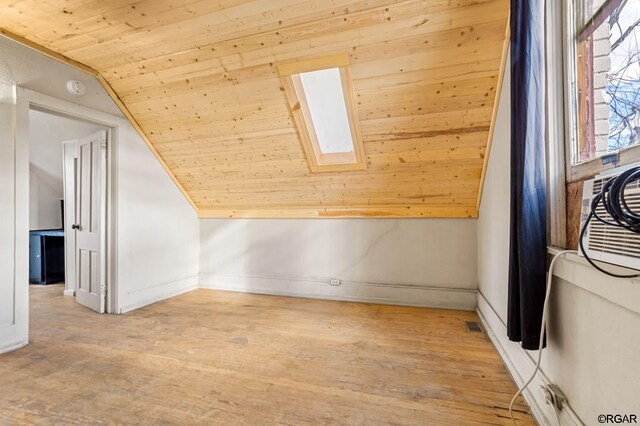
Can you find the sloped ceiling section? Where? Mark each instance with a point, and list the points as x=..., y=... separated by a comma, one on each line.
x=200, y=79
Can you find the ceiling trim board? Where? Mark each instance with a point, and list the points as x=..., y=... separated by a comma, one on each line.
x=48, y=52
x=494, y=114
x=379, y=212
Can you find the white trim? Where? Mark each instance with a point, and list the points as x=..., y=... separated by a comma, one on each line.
x=12, y=346
x=15, y=170
x=520, y=365
x=69, y=292
x=27, y=99
x=575, y=270
x=555, y=125
x=21, y=218
x=406, y=295
x=104, y=225
x=570, y=89
x=590, y=168
x=403, y=295
x=150, y=295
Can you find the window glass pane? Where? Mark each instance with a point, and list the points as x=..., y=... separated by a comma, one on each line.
x=325, y=98
x=608, y=74
x=586, y=10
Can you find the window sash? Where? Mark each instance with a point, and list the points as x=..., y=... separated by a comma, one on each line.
x=576, y=171
x=597, y=19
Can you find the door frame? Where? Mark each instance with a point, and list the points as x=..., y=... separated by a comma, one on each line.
x=27, y=100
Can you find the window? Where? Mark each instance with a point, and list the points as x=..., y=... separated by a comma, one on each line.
x=607, y=77
x=320, y=95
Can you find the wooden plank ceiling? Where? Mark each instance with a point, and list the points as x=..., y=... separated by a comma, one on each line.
x=200, y=79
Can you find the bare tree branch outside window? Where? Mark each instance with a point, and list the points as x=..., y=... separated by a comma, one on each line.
x=609, y=76
x=623, y=85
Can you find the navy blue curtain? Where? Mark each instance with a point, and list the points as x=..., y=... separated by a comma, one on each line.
x=528, y=238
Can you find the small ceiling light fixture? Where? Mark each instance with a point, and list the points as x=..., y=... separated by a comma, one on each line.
x=76, y=88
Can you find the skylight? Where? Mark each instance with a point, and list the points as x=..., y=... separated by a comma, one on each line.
x=323, y=90
x=321, y=100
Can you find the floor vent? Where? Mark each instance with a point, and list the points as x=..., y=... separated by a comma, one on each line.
x=473, y=326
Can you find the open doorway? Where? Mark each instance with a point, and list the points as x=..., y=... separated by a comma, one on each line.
x=67, y=206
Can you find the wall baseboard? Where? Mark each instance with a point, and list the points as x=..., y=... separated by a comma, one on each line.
x=520, y=365
x=407, y=295
x=12, y=346
x=140, y=298
x=69, y=292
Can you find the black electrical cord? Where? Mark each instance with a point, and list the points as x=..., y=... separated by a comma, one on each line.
x=612, y=197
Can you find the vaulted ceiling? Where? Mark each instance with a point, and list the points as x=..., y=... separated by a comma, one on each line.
x=199, y=79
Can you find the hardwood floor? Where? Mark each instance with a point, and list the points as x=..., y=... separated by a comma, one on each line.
x=210, y=357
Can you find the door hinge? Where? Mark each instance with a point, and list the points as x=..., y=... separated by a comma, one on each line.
x=103, y=140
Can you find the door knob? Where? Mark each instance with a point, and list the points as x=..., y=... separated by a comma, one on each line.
x=75, y=226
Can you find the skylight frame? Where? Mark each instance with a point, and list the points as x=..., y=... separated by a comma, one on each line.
x=316, y=159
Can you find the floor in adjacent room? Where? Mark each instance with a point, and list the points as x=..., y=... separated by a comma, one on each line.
x=211, y=357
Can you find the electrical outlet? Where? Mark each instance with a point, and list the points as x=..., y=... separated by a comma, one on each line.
x=554, y=396
x=335, y=281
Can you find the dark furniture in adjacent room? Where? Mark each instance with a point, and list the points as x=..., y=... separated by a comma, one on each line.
x=46, y=257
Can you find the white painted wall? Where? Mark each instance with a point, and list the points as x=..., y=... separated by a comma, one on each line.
x=46, y=134
x=593, y=349
x=493, y=223
x=158, y=230
x=35, y=71
x=427, y=262
x=158, y=240
x=44, y=203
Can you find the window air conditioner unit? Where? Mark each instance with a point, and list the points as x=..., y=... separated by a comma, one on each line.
x=609, y=243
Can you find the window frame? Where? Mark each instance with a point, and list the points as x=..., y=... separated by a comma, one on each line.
x=593, y=166
x=556, y=128
x=292, y=84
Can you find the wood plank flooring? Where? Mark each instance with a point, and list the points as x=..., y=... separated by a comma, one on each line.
x=210, y=357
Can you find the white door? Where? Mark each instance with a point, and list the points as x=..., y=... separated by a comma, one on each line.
x=89, y=227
